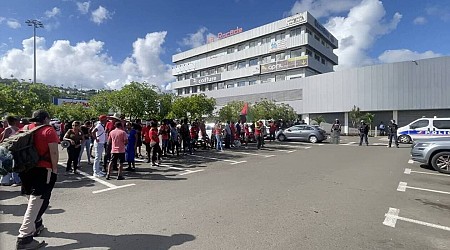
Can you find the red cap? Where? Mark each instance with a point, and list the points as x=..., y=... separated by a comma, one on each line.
x=102, y=117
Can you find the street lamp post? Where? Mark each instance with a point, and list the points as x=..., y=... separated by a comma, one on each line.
x=35, y=24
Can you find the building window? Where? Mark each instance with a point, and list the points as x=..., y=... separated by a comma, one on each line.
x=240, y=47
x=180, y=77
x=279, y=37
x=230, y=50
x=252, y=44
x=231, y=67
x=212, y=71
x=296, y=53
x=308, y=32
x=308, y=52
x=323, y=60
x=187, y=76
x=241, y=84
x=252, y=82
x=220, y=85
x=266, y=59
x=180, y=91
x=221, y=69
x=280, y=77
x=280, y=56
x=295, y=32
x=195, y=74
x=194, y=89
x=202, y=73
x=241, y=64
x=202, y=88
x=317, y=38
x=317, y=57
x=266, y=39
x=230, y=85
x=187, y=90
x=253, y=62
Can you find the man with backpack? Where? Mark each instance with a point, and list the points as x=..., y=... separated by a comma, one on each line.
x=38, y=181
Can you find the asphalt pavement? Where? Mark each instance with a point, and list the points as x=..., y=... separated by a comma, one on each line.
x=289, y=195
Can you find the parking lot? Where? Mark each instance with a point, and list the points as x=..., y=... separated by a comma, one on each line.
x=289, y=195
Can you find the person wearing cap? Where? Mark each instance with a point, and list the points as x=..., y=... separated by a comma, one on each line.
x=38, y=182
x=363, y=133
x=336, y=132
x=99, y=135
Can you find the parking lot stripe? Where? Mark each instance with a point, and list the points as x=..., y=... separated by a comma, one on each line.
x=217, y=159
x=245, y=153
x=409, y=171
x=392, y=217
x=411, y=162
x=401, y=187
x=91, y=177
x=113, y=188
x=192, y=171
x=280, y=150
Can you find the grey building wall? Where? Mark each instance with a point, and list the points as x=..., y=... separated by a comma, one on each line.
x=420, y=85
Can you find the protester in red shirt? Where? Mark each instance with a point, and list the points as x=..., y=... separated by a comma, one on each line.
x=146, y=139
x=154, y=144
x=118, y=139
x=272, y=130
x=164, y=131
x=258, y=134
x=194, y=135
x=38, y=182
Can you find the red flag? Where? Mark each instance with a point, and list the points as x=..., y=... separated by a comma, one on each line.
x=244, y=109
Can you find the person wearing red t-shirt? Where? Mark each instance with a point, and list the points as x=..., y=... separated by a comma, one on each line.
x=164, y=131
x=258, y=133
x=146, y=139
x=154, y=143
x=118, y=139
x=246, y=134
x=194, y=135
x=38, y=182
x=272, y=130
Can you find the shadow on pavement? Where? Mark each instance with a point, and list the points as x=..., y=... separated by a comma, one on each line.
x=19, y=210
x=114, y=242
x=9, y=193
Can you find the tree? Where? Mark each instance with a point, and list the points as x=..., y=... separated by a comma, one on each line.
x=137, y=100
x=268, y=109
x=231, y=111
x=165, y=105
x=355, y=115
x=319, y=119
x=72, y=112
x=196, y=106
x=102, y=102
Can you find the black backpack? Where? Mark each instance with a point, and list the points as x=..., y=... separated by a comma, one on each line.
x=21, y=147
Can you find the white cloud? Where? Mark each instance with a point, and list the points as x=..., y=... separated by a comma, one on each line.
x=197, y=39
x=401, y=55
x=2, y=19
x=358, y=32
x=323, y=8
x=100, y=15
x=13, y=24
x=86, y=64
x=440, y=11
x=420, y=20
x=83, y=7
x=52, y=13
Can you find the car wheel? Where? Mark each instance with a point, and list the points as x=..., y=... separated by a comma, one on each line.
x=404, y=139
x=282, y=137
x=441, y=162
x=312, y=139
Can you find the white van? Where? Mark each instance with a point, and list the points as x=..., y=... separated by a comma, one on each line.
x=424, y=128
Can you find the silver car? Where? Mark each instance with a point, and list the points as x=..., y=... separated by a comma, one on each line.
x=309, y=133
x=434, y=152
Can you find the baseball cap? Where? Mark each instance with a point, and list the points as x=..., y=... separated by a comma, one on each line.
x=39, y=116
x=102, y=117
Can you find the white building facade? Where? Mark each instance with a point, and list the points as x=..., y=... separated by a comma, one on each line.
x=294, y=47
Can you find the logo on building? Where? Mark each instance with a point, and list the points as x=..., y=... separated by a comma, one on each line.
x=296, y=62
x=205, y=79
x=278, y=45
x=296, y=19
x=221, y=35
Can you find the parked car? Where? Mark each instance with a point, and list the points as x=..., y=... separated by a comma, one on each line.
x=434, y=152
x=308, y=133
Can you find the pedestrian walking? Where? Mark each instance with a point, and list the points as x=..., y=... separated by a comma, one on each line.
x=38, y=182
x=164, y=131
x=10, y=130
x=363, y=133
x=392, y=133
x=336, y=132
x=259, y=134
x=118, y=139
x=131, y=146
x=85, y=130
x=76, y=139
x=99, y=135
x=154, y=144
x=218, y=135
x=174, y=139
x=382, y=128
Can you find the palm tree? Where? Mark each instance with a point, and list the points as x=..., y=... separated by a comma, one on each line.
x=319, y=119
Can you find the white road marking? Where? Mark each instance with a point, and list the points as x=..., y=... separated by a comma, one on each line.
x=349, y=144
x=411, y=162
x=402, y=186
x=109, y=185
x=409, y=171
x=293, y=146
x=281, y=150
x=113, y=188
x=192, y=171
x=392, y=217
x=380, y=144
x=245, y=153
x=217, y=159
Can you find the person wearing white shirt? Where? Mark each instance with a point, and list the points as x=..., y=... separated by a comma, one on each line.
x=99, y=135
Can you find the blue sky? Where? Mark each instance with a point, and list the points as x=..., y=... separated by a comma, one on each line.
x=107, y=43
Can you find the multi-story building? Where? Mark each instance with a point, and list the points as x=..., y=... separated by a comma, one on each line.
x=294, y=47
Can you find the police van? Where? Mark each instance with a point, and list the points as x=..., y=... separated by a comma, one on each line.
x=424, y=128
